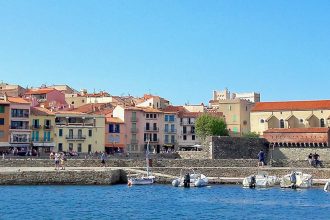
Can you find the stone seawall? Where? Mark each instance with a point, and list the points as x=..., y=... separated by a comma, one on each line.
x=63, y=178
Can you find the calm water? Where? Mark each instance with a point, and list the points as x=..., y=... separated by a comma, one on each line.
x=161, y=202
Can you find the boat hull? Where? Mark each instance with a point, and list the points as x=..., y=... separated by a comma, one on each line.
x=141, y=181
x=261, y=181
x=302, y=181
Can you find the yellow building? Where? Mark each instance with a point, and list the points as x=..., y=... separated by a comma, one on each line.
x=236, y=113
x=291, y=114
x=42, y=122
x=79, y=132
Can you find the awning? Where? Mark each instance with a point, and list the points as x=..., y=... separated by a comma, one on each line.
x=20, y=145
x=4, y=144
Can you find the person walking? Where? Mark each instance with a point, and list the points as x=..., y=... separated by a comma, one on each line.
x=57, y=161
x=103, y=158
x=63, y=159
x=261, y=157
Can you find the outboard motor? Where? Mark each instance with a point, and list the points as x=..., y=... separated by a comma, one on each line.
x=253, y=182
x=186, y=180
x=293, y=180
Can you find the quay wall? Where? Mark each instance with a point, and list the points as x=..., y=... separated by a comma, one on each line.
x=300, y=153
x=63, y=178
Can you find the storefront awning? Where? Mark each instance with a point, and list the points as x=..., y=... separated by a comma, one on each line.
x=4, y=144
x=44, y=144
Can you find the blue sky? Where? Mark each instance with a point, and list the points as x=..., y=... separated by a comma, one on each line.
x=181, y=50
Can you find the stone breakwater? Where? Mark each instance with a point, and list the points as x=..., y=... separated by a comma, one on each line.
x=74, y=177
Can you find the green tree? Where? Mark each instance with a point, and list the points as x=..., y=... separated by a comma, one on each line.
x=208, y=125
x=251, y=135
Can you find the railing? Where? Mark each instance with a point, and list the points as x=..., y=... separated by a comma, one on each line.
x=134, y=141
x=75, y=137
x=19, y=127
x=35, y=127
x=188, y=132
x=133, y=119
x=48, y=127
x=152, y=140
x=42, y=140
x=134, y=130
x=20, y=141
x=151, y=129
x=170, y=131
x=170, y=142
x=187, y=123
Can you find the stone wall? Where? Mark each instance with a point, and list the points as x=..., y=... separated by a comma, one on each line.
x=63, y=178
x=299, y=153
x=193, y=154
x=236, y=147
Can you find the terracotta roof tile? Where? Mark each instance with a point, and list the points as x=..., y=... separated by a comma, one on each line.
x=291, y=105
x=39, y=91
x=41, y=111
x=18, y=100
x=297, y=130
x=114, y=120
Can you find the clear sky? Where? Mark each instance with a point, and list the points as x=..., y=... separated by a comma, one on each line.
x=178, y=49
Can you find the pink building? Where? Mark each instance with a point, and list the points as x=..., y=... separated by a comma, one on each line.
x=143, y=125
x=47, y=98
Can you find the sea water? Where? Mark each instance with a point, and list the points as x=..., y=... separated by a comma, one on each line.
x=161, y=202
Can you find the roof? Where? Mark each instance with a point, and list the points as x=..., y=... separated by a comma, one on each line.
x=4, y=102
x=114, y=120
x=291, y=105
x=70, y=113
x=40, y=91
x=41, y=111
x=173, y=109
x=17, y=100
x=93, y=108
x=297, y=130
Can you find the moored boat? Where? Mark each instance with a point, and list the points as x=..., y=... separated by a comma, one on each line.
x=262, y=180
x=327, y=186
x=297, y=180
x=190, y=178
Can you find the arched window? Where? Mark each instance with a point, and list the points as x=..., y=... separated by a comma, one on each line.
x=281, y=123
x=322, y=124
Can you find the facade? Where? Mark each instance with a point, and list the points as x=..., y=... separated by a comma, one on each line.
x=151, y=101
x=171, y=129
x=236, y=113
x=12, y=90
x=187, y=135
x=4, y=124
x=42, y=123
x=63, y=88
x=291, y=114
x=142, y=126
x=115, y=135
x=225, y=95
x=19, y=132
x=46, y=98
x=79, y=132
x=76, y=100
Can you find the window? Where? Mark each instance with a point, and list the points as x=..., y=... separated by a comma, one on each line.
x=89, y=148
x=166, y=139
x=35, y=123
x=72, y=103
x=2, y=121
x=301, y=120
x=147, y=126
x=155, y=115
x=235, y=129
x=71, y=133
x=79, y=133
x=171, y=118
x=155, y=127
x=172, y=128
x=262, y=121
x=46, y=135
x=322, y=124
x=117, y=128
x=79, y=148
x=60, y=132
x=2, y=109
x=60, y=147
x=172, y=139
x=71, y=147
x=147, y=115
x=184, y=129
x=281, y=123
x=155, y=137
x=166, y=127
x=166, y=117
x=193, y=137
x=246, y=108
x=192, y=129
x=90, y=133
x=2, y=133
x=184, y=137
x=229, y=107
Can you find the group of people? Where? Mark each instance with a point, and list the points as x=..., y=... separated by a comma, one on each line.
x=59, y=159
x=314, y=160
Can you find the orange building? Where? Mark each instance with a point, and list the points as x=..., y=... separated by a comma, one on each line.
x=4, y=125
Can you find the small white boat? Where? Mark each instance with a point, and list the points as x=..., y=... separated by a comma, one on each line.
x=327, y=186
x=297, y=180
x=262, y=180
x=190, y=178
x=143, y=180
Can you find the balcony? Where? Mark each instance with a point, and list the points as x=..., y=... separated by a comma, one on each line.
x=42, y=140
x=48, y=127
x=134, y=141
x=19, y=127
x=152, y=141
x=134, y=130
x=173, y=142
x=76, y=137
x=35, y=127
x=153, y=129
x=188, y=133
x=170, y=131
x=134, y=119
x=19, y=140
x=187, y=123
